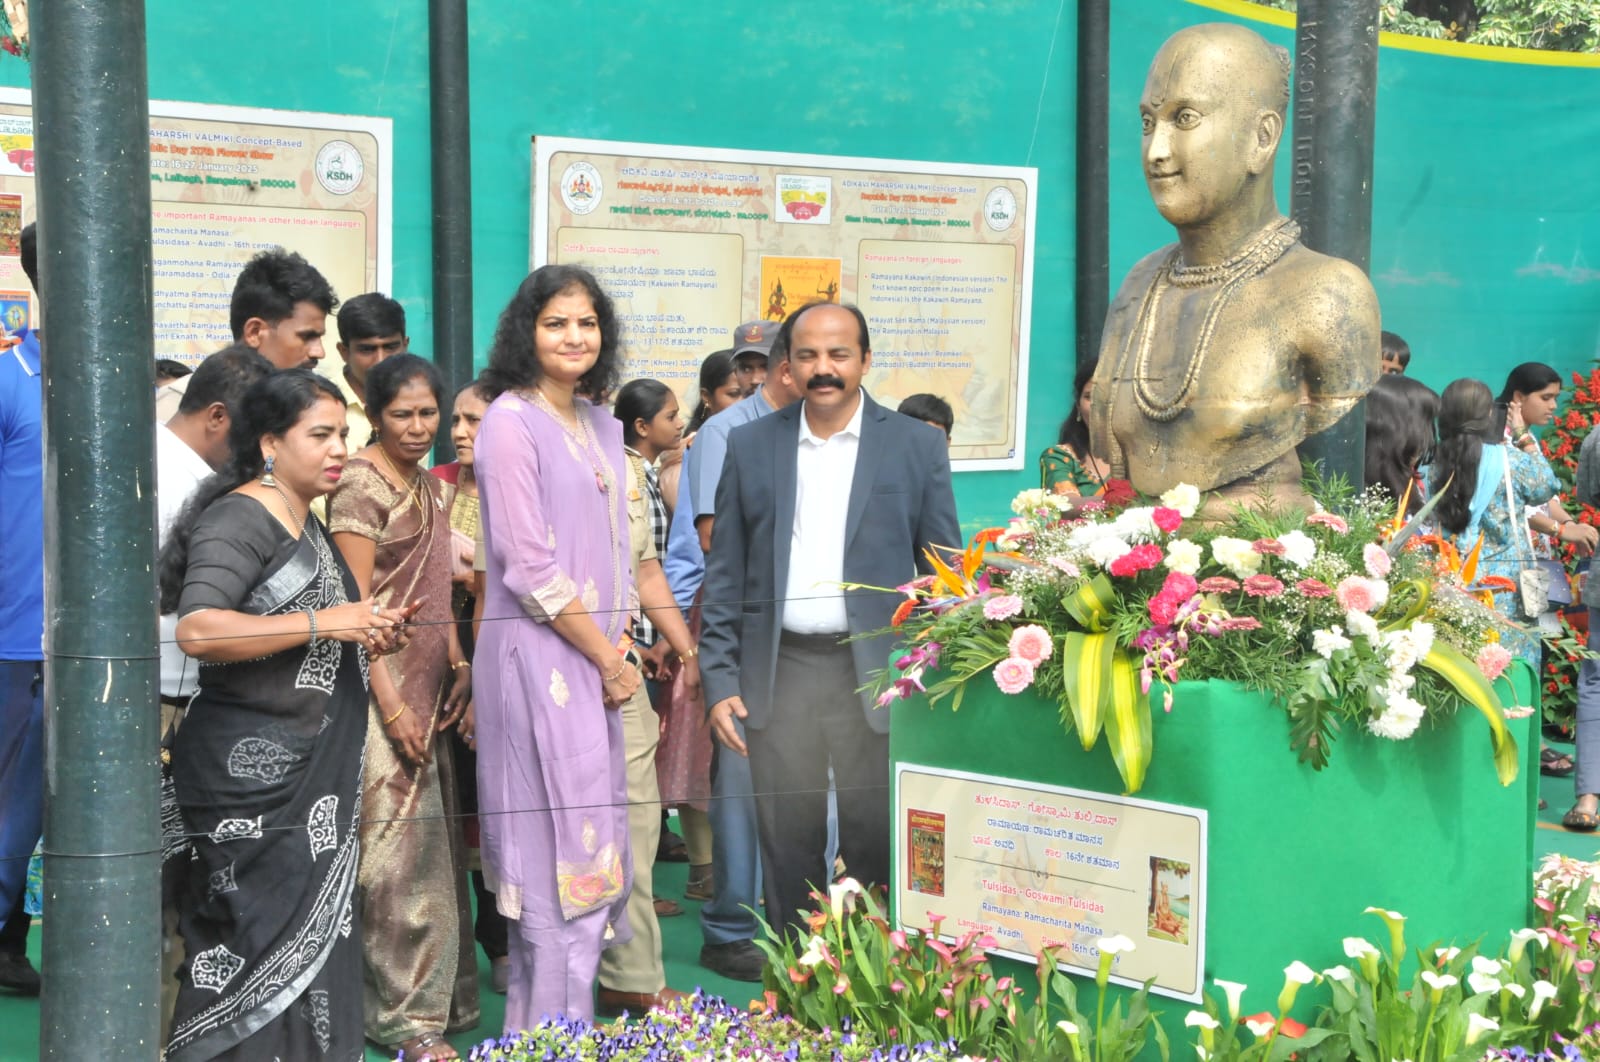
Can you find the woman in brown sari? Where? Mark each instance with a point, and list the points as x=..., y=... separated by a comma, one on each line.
x=390, y=520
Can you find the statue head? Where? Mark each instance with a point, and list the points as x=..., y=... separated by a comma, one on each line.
x=1213, y=114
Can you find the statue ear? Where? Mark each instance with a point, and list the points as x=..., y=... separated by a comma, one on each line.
x=1268, y=132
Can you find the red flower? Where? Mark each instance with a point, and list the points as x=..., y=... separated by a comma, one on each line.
x=1163, y=609
x=1138, y=559
x=1118, y=492
x=1168, y=520
x=902, y=611
x=1180, y=586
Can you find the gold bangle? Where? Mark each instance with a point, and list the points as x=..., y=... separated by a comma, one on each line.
x=693, y=652
x=396, y=715
x=459, y=664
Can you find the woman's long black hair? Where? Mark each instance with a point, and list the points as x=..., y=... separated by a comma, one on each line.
x=512, y=361
x=1527, y=378
x=714, y=372
x=272, y=406
x=1074, y=431
x=1466, y=422
x=1400, y=432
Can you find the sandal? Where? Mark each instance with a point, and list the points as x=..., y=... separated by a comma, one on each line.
x=426, y=1048
x=666, y=908
x=1556, y=764
x=1580, y=821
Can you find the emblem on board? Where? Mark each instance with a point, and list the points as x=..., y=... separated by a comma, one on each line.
x=581, y=187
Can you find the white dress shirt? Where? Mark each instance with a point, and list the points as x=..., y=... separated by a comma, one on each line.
x=179, y=470
x=824, y=472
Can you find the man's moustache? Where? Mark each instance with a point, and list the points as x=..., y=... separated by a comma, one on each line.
x=824, y=381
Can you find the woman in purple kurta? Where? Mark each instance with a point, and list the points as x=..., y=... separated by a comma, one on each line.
x=550, y=672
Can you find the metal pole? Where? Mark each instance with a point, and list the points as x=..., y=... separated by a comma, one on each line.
x=452, y=198
x=1335, y=97
x=101, y=823
x=1094, y=189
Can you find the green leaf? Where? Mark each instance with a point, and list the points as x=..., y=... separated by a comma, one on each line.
x=1128, y=722
x=1085, y=670
x=1090, y=604
x=1463, y=675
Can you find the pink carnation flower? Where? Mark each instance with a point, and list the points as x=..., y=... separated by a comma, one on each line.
x=1013, y=675
x=1138, y=559
x=1493, y=659
x=1358, y=594
x=1270, y=547
x=1218, y=584
x=1376, y=560
x=1031, y=643
x=1180, y=586
x=1163, y=608
x=1313, y=588
x=1329, y=520
x=1003, y=607
x=1168, y=520
x=1263, y=586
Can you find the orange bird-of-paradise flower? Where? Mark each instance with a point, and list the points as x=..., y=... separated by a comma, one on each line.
x=902, y=611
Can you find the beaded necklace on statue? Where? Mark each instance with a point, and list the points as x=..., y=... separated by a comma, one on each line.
x=581, y=436
x=1229, y=275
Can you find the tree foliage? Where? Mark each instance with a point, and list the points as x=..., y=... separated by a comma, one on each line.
x=1553, y=25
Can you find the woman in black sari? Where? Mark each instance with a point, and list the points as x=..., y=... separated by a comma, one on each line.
x=267, y=765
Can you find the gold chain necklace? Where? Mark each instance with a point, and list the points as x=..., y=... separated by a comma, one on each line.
x=413, y=490
x=1262, y=251
x=585, y=440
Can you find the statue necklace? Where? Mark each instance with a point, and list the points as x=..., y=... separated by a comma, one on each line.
x=1265, y=248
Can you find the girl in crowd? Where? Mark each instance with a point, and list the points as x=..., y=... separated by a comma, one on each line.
x=1528, y=400
x=1400, y=413
x=651, y=427
x=719, y=389
x=388, y=517
x=551, y=764
x=1490, y=486
x=471, y=403
x=1069, y=467
x=267, y=765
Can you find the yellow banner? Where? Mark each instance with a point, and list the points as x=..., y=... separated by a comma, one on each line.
x=691, y=242
x=1035, y=865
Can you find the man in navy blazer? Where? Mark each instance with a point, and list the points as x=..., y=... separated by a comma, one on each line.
x=831, y=491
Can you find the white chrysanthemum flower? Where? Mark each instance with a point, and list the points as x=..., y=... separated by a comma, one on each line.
x=1184, y=556
x=1184, y=498
x=1299, y=548
x=1236, y=555
x=1328, y=642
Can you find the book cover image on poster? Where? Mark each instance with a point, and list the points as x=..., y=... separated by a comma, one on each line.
x=788, y=283
x=1168, y=900
x=11, y=225
x=926, y=850
x=13, y=311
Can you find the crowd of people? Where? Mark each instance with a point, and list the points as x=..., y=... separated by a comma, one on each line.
x=391, y=694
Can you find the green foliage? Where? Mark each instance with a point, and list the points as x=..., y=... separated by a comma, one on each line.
x=1551, y=25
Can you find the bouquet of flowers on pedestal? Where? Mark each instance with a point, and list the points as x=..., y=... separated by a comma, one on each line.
x=1343, y=615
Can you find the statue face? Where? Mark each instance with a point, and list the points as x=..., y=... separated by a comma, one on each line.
x=1200, y=130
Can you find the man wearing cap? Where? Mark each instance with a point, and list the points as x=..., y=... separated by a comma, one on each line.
x=752, y=348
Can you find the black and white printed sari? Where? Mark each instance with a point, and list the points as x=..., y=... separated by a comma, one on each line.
x=267, y=769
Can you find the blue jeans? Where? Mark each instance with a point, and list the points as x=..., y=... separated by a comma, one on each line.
x=1586, y=779
x=735, y=850
x=21, y=772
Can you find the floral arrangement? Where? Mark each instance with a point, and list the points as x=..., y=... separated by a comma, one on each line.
x=700, y=1028
x=902, y=987
x=1343, y=615
x=14, y=27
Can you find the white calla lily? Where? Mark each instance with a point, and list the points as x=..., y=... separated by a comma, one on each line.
x=1482, y=983
x=1340, y=973
x=813, y=953
x=1295, y=974
x=1477, y=1025
x=1444, y=955
x=1437, y=983
x=842, y=893
x=1520, y=939
x=1543, y=991
x=1260, y=1029
x=1199, y=1019
x=1067, y=1027
x=1487, y=966
x=1358, y=948
x=1233, y=990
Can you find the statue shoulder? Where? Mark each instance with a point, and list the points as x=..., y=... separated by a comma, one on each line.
x=1140, y=277
x=1336, y=309
x=1332, y=284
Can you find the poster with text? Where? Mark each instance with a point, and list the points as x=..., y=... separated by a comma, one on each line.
x=225, y=183
x=1034, y=865
x=690, y=242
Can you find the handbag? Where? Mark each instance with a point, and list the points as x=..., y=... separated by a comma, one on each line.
x=1545, y=583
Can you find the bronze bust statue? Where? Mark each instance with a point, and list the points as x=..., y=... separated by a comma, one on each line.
x=1223, y=351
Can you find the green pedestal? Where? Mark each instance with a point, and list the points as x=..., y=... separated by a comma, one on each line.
x=1294, y=855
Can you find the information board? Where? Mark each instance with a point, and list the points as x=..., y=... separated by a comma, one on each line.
x=225, y=183
x=1035, y=865
x=690, y=242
